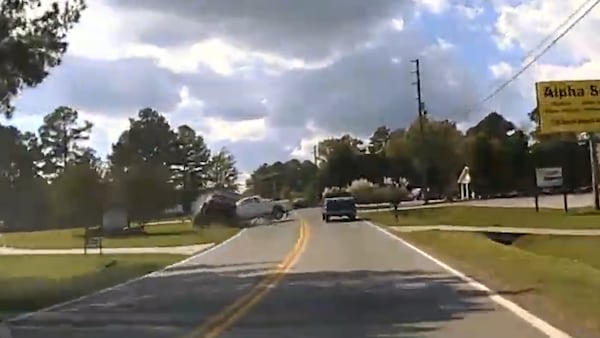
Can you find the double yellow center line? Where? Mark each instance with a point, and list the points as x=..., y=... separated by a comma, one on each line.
x=217, y=324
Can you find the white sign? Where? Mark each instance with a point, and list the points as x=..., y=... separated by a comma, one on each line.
x=548, y=177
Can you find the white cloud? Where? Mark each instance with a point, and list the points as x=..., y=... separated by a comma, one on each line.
x=101, y=33
x=434, y=6
x=501, y=70
x=469, y=12
x=526, y=24
x=106, y=130
x=306, y=147
x=241, y=181
x=398, y=24
x=223, y=130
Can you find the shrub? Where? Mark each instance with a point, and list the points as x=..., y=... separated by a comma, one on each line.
x=366, y=192
x=391, y=194
x=359, y=185
x=335, y=192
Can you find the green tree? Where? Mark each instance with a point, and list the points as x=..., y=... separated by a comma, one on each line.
x=145, y=191
x=327, y=146
x=190, y=167
x=222, y=172
x=21, y=190
x=31, y=42
x=288, y=179
x=60, y=136
x=440, y=153
x=78, y=196
x=341, y=165
x=140, y=167
x=401, y=158
x=498, y=156
x=149, y=139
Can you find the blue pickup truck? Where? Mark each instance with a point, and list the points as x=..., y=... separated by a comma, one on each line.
x=339, y=207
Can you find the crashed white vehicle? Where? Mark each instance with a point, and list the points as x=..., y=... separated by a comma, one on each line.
x=256, y=207
x=227, y=207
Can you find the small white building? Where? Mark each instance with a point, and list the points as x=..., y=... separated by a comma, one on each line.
x=464, y=183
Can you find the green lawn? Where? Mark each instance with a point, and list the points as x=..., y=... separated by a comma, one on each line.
x=177, y=233
x=33, y=282
x=579, y=249
x=489, y=216
x=556, y=278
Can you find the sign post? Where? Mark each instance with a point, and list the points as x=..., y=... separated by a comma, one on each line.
x=549, y=178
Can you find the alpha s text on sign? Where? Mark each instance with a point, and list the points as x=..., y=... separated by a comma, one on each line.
x=568, y=106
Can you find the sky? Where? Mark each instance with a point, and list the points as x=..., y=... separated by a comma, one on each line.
x=267, y=79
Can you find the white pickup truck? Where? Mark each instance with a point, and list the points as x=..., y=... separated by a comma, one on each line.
x=256, y=207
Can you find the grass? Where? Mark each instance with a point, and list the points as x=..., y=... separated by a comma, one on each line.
x=28, y=283
x=579, y=249
x=172, y=234
x=490, y=216
x=556, y=278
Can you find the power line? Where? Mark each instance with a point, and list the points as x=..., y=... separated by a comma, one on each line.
x=547, y=38
x=538, y=56
x=556, y=29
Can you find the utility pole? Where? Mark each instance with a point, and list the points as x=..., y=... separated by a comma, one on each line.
x=316, y=154
x=421, y=115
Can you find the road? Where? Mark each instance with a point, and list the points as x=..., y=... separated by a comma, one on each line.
x=293, y=279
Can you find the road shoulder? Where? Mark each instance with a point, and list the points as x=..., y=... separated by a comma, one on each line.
x=551, y=287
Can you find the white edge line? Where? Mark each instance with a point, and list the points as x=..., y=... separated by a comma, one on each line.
x=530, y=318
x=98, y=292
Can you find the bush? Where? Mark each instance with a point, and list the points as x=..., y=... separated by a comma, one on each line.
x=365, y=192
x=391, y=194
x=360, y=185
x=335, y=192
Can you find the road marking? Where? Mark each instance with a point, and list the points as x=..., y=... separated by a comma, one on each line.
x=114, y=287
x=217, y=324
x=527, y=316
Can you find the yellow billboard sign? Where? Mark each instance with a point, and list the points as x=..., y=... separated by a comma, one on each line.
x=568, y=106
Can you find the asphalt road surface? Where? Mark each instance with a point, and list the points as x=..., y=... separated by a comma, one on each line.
x=293, y=279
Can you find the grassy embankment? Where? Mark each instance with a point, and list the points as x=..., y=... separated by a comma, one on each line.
x=171, y=234
x=32, y=282
x=489, y=216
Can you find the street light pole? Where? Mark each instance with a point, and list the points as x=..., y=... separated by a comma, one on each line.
x=420, y=112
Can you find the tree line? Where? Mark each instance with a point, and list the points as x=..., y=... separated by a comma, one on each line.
x=501, y=157
x=53, y=179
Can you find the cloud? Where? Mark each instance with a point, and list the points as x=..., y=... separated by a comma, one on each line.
x=434, y=6
x=469, y=12
x=520, y=28
x=308, y=29
x=114, y=87
x=368, y=89
x=501, y=70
